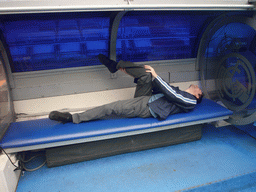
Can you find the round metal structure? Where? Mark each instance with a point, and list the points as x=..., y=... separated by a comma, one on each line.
x=227, y=62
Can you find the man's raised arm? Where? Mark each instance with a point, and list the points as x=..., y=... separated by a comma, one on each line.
x=173, y=94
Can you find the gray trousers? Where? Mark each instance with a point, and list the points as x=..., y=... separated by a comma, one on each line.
x=135, y=107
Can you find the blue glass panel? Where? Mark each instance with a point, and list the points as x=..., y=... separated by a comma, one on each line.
x=52, y=41
x=234, y=37
x=63, y=40
x=233, y=47
x=147, y=36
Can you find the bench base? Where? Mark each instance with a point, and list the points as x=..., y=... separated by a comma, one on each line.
x=97, y=149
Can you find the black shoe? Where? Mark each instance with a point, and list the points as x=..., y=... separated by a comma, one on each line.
x=58, y=116
x=110, y=64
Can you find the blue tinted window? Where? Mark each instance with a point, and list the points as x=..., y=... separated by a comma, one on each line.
x=233, y=47
x=147, y=36
x=63, y=40
x=52, y=41
x=233, y=37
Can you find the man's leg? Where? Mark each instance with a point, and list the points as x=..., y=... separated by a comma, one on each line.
x=142, y=78
x=136, y=107
x=132, y=69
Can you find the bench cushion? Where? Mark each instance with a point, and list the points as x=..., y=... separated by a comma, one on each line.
x=45, y=133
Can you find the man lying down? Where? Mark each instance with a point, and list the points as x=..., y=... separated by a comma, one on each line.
x=153, y=97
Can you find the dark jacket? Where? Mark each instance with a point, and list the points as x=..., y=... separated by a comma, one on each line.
x=174, y=100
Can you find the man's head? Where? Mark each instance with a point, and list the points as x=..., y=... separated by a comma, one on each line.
x=196, y=91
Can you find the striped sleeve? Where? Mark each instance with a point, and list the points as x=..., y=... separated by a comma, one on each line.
x=174, y=94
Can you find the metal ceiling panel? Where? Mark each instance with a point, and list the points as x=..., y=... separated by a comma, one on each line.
x=38, y=6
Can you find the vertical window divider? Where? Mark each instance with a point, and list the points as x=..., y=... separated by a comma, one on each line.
x=113, y=35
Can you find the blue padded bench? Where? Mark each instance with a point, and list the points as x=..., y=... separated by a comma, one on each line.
x=45, y=133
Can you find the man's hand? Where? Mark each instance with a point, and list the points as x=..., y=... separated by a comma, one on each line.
x=123, y=70
x=151, y=70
